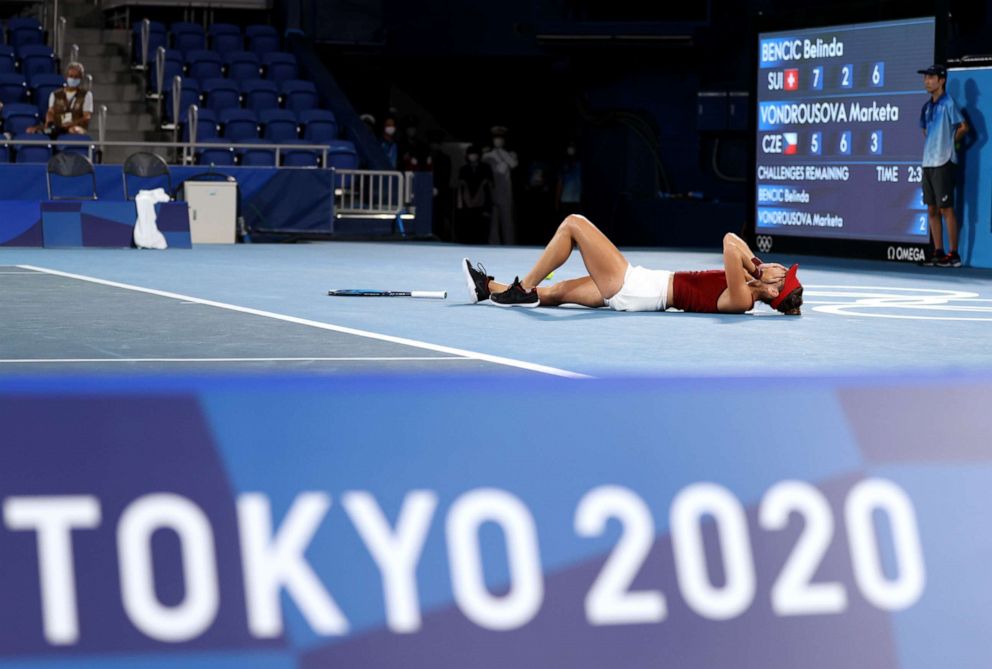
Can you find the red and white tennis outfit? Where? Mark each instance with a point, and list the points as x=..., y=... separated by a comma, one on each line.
x=647, y=290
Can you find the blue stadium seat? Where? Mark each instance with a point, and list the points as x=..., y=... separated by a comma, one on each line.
x=189, y=95
x=46, y=79
x=221, y=94
x=279, y=66
x=187, y=36
x=342, y=154
x=13, y=88
x=7, y=61
x=75, y=144
x=298, y=157
x=36, y=59
x=239, y=124
x=278, y=124
x=4, y=153
x=256, y=157
x=206, y=126
x=262, y=38
x=18, y=117
x=299, y=95
x=225, y=37
x=260, y=94
x=156, y=38
x=319, y=125
x=242, y=65
x=215, y=157
x=203, y=65
x=33, y=154
x=173, y=66
x=24, y=30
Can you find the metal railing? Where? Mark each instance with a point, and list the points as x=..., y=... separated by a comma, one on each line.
x=372, y=193
x=156, y=94
x=146, y=29
x=59, y=38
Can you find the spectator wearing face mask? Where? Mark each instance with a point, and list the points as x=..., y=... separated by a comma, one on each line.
x=474, y=205
x=569, y=190
x=70, y=108
x=388, y=141
x=502, y=162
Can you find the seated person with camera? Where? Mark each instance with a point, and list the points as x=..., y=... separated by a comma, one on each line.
x=69, y=108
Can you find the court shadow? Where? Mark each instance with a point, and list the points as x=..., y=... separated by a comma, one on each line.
x=969, y=162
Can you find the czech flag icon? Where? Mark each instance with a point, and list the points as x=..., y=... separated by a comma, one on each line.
x=791, y=143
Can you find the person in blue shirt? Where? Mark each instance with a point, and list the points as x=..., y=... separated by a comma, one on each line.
x=943, y=127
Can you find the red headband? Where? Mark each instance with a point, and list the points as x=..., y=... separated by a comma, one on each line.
x=791, y=283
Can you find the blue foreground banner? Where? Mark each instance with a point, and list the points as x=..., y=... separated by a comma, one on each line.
x=446, y=523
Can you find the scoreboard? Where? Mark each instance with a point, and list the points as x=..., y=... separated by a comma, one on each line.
x=838, y=141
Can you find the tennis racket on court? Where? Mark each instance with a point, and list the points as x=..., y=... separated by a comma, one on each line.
x=357, y=292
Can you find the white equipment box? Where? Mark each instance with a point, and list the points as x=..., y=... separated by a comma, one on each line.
x=213, y=207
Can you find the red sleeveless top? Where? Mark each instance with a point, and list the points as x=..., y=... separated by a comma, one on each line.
x=698, y=291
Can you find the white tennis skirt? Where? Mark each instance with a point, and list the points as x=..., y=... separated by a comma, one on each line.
x=643, y=290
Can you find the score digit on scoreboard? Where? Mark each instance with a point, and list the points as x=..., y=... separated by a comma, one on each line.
x=838, y=131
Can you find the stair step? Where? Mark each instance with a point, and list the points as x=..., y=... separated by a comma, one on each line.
x=118, y=92
x=130, y=122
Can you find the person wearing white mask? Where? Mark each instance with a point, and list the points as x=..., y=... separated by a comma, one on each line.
x=502, y=162
x=70, y=108
x=388, y=141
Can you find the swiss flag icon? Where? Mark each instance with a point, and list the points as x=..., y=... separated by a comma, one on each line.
x=792, y=80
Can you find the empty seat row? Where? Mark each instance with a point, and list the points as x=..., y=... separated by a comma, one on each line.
x=313, y=125
x=14, y=90
x=40, y=153
x=22, y=30
x=256, y=94
x=341, y=154
x=29, y=59
x=237, y=65
x=223, y=37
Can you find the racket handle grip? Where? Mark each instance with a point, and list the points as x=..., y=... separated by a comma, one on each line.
x=435, y=294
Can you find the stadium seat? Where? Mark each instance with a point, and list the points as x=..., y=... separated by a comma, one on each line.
x=239, y=124
x=24, y=30
x=37, y=59
x=203, y=65
x=32, y=154
x=75, y=144
x=225, y=37
x=173, y=66
x=242, y=65
x=319, y=125
x=299, y=95
x=298, y=157
x=215, y=157
x=221, y=94
x=278, y=124
x=342, y=154
x=260, y=94
x=18, y=117
x=156, y=38
x=46, y=79
x=13, y=88
x=256, y=157
x=190, y=95
x=7, y=62
x=279, y=66
x=262, y=38
x=206, y=126
x=187, y=36
x=4, y=153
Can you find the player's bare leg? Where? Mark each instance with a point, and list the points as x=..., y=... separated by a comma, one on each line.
x=582, y=291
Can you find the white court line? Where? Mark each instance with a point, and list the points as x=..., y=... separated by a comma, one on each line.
x=5, y=361
x=509, y=362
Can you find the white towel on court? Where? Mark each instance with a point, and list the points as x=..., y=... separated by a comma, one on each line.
x=146, y=232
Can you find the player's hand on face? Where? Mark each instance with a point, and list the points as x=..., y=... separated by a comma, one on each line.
x=772, y=272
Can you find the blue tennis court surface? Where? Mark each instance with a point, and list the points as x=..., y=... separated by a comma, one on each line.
x=265, y=308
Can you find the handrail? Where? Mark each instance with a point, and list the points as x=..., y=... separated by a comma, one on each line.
x=193, y=123
x=59, y=39
x=89, y=82
x=55, y=18
x=146, y=28
x=159, y=73
x=74, y=53
x=101, y=125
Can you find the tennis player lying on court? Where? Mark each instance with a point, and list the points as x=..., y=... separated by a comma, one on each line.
x=615, y=283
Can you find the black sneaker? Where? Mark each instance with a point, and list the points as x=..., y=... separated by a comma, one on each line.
x=952, y=259
x=477, y=281
x=932, y=260
x=515, y=296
